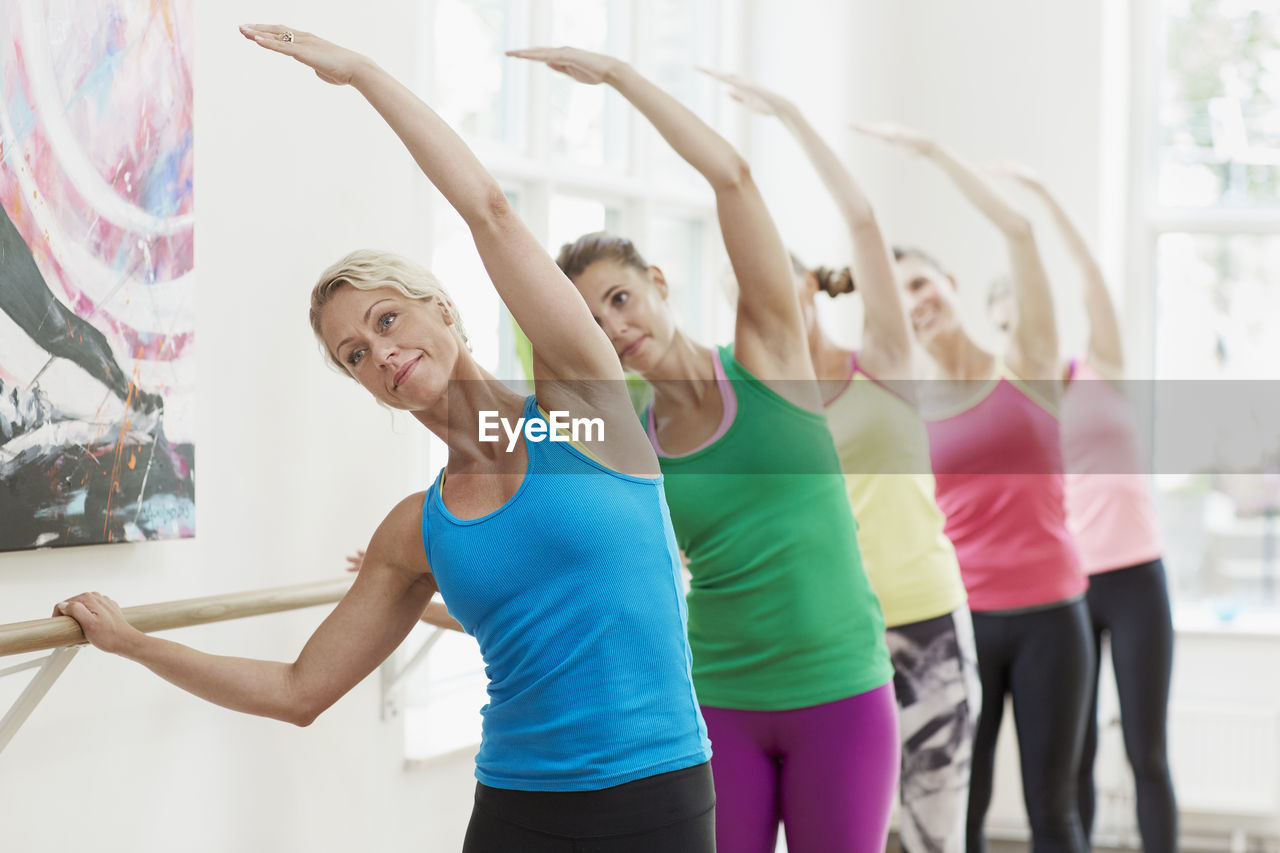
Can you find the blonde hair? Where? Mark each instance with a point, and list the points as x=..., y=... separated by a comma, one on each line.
x=369, y=269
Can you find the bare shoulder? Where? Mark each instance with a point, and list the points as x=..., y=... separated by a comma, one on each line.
x=398, y=540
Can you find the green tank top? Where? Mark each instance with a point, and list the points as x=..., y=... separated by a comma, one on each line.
x=780, y=611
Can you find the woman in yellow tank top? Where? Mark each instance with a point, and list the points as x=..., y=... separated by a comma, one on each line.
x=884, y=452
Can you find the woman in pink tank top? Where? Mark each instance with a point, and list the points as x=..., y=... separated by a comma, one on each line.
x=996, y=451
x=1110, y=513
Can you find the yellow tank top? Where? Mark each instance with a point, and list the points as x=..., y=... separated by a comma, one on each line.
x=884, y=453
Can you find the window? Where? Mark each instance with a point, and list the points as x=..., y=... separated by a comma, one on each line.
x=572, y=159
x=1210, y=235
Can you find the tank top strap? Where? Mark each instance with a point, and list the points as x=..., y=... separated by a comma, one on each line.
x=1023, y=386
x=728, y=402
x=848, y=382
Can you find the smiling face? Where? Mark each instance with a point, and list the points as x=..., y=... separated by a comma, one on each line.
x=931, y=298
x=631, y=306
x=402, y=350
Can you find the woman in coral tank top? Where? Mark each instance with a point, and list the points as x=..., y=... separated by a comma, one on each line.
x=996, y=450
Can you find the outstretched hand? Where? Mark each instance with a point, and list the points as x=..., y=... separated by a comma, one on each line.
x=101, y=620
x=355, y=561
x=751, y=94
x=896, y=134
x=582, y=65
x=332, y=63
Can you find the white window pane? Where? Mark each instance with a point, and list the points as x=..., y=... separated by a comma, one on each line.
x=676, y=245
x=588, y=125
x=572, y=216
x=477, y=90
x=1219, y=125
x=679, y=38
x=1217, y=300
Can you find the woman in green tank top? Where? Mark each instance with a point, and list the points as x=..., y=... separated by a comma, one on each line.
x=789, y=658
x=884, y=451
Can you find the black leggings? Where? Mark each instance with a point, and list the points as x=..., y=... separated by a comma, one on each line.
x=1132, y=606
x=671, y=813
x=1044, y=659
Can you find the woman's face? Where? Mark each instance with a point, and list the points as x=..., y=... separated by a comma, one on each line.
x=631, y=306
x=400, y=349
x=931, y=298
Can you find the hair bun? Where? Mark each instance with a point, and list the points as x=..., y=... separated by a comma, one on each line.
x=834, y=282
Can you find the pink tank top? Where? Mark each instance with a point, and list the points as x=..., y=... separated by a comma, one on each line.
x=1108, y=499
x=998, y=467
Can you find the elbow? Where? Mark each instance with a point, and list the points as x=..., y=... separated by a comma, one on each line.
x=302, y=720
x=304, y=713
x=493, y=209
x=735, y=175
x=862, y=222
x=303, y=704
x=1018, y=230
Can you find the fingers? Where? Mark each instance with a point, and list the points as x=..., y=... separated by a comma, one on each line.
x=87, y=603
x=871, y=128
x=76, y=608
x=538, y=54
x=271, y=36
x=722, y=76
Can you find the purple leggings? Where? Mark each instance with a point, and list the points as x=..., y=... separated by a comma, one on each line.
x=829, y=773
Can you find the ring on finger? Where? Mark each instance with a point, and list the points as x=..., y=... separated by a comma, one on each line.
x=287, y=35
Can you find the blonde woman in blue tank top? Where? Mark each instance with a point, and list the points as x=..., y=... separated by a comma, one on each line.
x=570, y=584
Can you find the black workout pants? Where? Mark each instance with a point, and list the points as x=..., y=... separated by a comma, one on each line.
x=1044, y=660
x=1132, y=607
x=668, y=813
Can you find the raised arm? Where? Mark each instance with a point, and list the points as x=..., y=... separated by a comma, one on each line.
x=1033, y=344
x=1106, y=349
x=769, y=334
x=886, y=338
x=567, y=340
x=368, y=624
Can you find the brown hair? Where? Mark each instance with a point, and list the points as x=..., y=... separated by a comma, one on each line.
x=598, y=246
x=834, y=282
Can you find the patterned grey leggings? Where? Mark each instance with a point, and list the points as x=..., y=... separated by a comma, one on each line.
x=939, y=697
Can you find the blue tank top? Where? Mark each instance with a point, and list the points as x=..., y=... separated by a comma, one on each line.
x=572, y=589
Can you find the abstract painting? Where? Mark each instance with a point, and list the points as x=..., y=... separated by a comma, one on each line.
x=97, y=304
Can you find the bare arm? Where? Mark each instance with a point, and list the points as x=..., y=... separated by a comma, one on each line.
x=886, y=339
x=546, y=305
x=1106, y=349
x=769, y=333
x=1033, y=346
x=367, y=625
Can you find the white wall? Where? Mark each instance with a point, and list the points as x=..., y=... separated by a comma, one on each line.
x=295, y=465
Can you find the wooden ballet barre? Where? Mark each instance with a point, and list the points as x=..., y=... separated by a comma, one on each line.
x=59, y=631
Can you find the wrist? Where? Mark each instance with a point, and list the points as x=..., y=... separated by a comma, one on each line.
x=363, y=71
x=615, y=72
x=133, y=644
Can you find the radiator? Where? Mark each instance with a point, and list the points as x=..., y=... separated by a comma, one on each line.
x=1225, y=758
